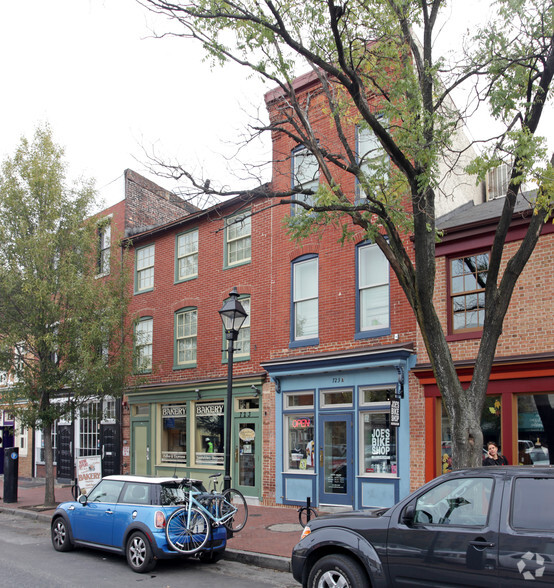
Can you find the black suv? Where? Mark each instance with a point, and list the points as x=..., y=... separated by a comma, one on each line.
x=476, y=527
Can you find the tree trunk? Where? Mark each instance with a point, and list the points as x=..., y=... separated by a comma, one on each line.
x=49, y=497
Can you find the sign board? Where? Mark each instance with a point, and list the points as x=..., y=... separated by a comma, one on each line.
x=395, y=413
x=89, y=472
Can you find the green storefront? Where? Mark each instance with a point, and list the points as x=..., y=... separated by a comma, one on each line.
x=180, y=430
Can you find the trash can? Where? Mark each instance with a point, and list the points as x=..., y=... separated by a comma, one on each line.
x=11, y=472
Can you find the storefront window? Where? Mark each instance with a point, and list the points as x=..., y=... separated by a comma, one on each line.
x=379, y=444
x=209, y=433
x=535, y=428
x=174, y=433
x=300, y=400
x=491, y=425
x=336, y=398
x=300, y=449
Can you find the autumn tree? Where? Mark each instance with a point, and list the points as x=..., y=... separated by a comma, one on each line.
x=378, y=68
x=61, y=326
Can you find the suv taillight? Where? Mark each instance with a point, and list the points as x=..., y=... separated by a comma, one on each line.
x=159, y=520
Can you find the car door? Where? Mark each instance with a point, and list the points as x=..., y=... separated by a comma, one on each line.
x=134, y=505
x=526, y=541
x=452, y=539
x=93, y=521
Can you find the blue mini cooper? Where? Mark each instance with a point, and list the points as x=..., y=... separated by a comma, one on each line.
x=127, y=515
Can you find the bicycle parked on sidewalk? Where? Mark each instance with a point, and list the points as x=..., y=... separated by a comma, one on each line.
x=188, y=528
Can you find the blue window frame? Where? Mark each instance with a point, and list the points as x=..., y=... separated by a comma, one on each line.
x=305, y=301
x=304, y=174
x=373, y=292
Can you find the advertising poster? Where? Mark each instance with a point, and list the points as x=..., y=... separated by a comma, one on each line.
x=89, y=472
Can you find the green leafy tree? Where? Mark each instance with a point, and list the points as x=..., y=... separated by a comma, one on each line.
x=61, y=326
x=380, y=56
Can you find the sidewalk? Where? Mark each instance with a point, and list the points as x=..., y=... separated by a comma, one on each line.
x=266, y=540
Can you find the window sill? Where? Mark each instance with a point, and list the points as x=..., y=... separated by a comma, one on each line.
x=143, y=291
x=464, y=336
x=188, y=366
x=236, y=359
x=304, y=343
x=237, y=264
x=180, y=281
x=372, y=334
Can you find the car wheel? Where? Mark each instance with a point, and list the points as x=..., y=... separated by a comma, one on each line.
x=337, y=570
x=139, y=554
x=60, y=535
x=211, y=557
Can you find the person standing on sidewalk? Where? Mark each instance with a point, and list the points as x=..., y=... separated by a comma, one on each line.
x=494, y=458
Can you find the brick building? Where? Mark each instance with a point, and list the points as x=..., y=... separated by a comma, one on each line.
x=519, y=409
x=330, y=340
x=87, y=433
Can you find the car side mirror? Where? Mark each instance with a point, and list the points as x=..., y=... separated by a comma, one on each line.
x=408, y=515
x=83, y=499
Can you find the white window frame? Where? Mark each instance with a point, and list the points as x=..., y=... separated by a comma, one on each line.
x=371, y=155
x=242, y=344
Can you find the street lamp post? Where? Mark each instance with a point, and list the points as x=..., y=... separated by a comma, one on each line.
x=233, y=316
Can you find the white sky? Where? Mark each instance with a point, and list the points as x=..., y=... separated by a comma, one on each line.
x=89, y=69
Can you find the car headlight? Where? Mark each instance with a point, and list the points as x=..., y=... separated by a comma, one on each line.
x=305, y=532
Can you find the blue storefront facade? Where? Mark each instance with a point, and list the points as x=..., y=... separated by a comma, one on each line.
x=337, y=440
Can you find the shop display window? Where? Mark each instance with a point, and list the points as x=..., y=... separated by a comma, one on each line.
x=379, y=448
x=208, y=436
x=535, y=428
x=300, y=450
x=174, y=433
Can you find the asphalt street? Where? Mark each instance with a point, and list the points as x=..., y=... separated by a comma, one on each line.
x=27, y=560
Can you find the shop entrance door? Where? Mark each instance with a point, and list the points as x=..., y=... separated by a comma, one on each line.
x=336, y=475
x=141, y=449
x=246, y=463
x=65, y=456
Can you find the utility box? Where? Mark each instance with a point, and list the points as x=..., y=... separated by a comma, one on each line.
x=11, y=473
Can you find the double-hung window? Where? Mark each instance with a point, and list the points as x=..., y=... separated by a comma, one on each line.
x=143, y=344
x=305, y=301
x=373, y=308
x=305, y=175
x=144, y=269
x=187, y=256
x=186, y=328
x=372, y=158
x=104, y=244
x=238, y=239
x=468, y=278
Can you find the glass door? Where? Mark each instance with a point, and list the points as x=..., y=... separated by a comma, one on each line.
x=246, y=463
x=335, y=460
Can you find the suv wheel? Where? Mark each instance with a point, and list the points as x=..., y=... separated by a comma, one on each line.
x=336, y=570
x=139, y=553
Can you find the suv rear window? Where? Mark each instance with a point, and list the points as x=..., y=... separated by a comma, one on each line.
x=532, y=504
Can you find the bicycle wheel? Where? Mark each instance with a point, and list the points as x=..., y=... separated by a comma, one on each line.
x=187, y=534
x=236, y=499
x=304, y=517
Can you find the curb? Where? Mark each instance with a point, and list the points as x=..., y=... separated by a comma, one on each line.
x=261, y=560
